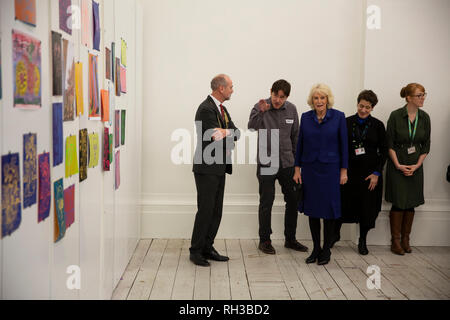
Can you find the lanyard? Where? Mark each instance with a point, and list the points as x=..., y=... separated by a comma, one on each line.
x=359, y=137
x=413, y=133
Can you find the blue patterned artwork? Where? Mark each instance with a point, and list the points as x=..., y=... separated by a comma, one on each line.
x=57, y=134
x=96, y=25
x=45, y=185
x=11, y=205
x=60, y=222
x=29, y=170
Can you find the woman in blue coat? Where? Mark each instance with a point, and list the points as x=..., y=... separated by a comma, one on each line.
x=321, y=163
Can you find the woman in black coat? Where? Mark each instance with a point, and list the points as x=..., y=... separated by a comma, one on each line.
x=367, y=146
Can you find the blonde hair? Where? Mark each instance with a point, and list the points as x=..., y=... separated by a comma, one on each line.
x=323, y=89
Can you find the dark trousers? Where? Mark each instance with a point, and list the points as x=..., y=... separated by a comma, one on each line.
x=266, y=197
x=210, y=190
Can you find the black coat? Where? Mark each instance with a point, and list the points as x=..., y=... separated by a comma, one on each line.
x=359, y=204
x=207, y=118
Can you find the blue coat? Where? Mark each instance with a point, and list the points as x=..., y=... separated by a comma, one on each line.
x=325, y=142
x=322, y=150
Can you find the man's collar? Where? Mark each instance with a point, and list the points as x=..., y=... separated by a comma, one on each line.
x=217, y=102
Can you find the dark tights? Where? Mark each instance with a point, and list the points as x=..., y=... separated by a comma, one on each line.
x=314, y=226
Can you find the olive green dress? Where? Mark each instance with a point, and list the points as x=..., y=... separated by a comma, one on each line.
x=406, y=192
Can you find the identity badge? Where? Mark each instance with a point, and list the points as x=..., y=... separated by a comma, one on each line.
x=411, y=150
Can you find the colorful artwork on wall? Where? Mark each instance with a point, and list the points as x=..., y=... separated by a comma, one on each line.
x=123, y=56
x=59, y=219
x=113, y=60
x=111, y=148
x=83, y=154
x=117, y=129
x=118, y=89
x=94, y=150
x=79, y=88
x=69, y=81
x=65, y=15
x=69, y=205
x=25, y=11
x=45, y=193
x=105, y=105
x=26, y=71
x=29, y=169
x=11, y=204
x=94, y=105
x=57, y=134
x=123, y=79
x=111, y=103
x=96, y=25
x=117, y=169
x=122, y=127
x=85, y=23
x=106, y=162
x=57, y=63
x=107, y=64
x=71, y=156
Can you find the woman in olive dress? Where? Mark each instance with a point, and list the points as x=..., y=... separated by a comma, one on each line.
x=408, y=137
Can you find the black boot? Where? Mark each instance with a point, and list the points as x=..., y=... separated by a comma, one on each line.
x=325, y=254
x=314, y=255
x=314, y=226
x=362, y=247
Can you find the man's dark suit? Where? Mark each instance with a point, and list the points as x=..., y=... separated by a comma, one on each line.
x=210, y=176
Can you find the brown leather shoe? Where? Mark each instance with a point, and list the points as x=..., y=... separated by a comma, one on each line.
x=396, y=219
x=408, y=218
x=295, y=245
x=266, y=247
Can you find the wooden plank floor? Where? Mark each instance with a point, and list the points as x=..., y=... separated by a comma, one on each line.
x=160, y=270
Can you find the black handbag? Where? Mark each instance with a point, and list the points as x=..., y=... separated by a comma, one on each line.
x=448, y=173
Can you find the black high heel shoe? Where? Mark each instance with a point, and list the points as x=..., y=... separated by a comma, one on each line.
x=313, y=257
x=362, y=247
x=324, y=257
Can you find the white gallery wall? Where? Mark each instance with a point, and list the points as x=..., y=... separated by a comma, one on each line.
x=107, y=221
x=257, y=42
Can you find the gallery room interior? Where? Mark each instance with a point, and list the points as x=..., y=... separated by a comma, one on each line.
x=97, y=107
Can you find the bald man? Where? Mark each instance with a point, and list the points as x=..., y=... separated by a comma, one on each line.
x=216, y=134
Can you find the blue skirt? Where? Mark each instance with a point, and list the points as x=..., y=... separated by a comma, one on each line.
x=321, y=190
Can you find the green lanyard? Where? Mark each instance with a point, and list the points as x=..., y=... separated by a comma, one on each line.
x=413, y=133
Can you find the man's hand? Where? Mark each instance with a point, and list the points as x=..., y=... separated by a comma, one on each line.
x=373, y=181
x=263, y=105
x=220, y=133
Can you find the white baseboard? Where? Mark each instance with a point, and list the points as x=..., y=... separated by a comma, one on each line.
x=172, y=216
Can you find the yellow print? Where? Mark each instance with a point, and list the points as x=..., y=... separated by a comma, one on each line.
x=21, y=78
